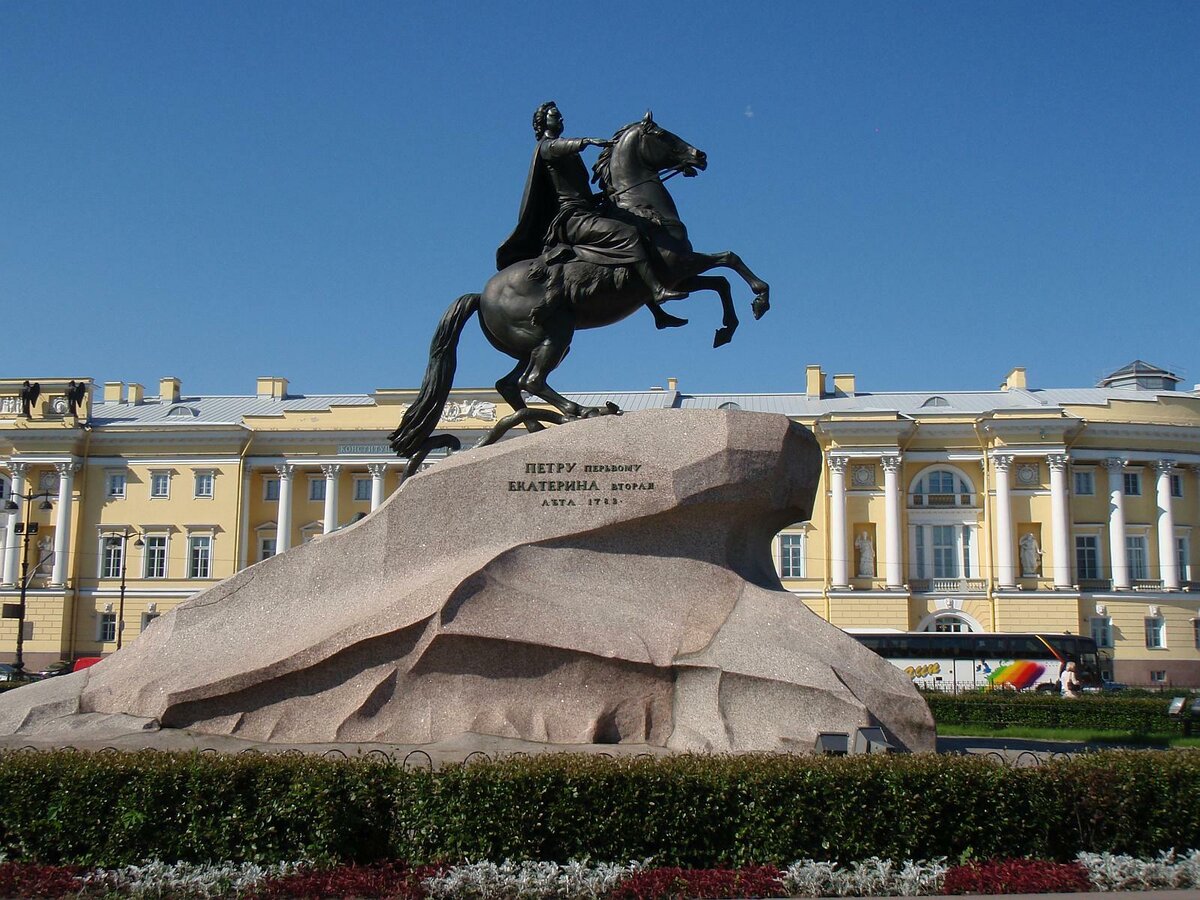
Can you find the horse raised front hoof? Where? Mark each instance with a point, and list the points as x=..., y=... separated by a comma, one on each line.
x=723, y=336
x=760, y=305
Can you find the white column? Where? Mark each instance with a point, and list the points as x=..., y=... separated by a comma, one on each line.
x=283, y=526
x=1116, y=523
x=62, y=522
x=12, y=563
x=891, y=522
x=1006, y=571
x=1168, y=563
x=377, y=470
x=838, y=569
x=331, y=495
x=1060, y=521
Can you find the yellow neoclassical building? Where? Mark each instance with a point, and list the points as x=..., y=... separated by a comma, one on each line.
x=1018, y=509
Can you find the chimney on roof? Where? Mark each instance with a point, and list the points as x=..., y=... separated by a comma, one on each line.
x=169, y=389
x=272, y=388
x=843, y=385
x=672, y=384
x=137, y=393
x=814, y=382
x=113, y=391
x=1015, y=380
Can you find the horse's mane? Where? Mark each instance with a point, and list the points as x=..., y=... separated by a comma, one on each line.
x=601, y=169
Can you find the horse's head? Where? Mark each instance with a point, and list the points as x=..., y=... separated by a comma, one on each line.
x=647, y=146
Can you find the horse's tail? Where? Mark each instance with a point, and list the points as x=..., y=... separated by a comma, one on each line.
x=422, y=417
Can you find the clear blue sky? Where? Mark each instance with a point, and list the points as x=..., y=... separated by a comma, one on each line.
x=936, y=191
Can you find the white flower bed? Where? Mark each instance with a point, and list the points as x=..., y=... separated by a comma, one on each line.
x=584, y=880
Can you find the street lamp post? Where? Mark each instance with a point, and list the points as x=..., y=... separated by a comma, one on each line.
x=123, y=537
x=26, y=529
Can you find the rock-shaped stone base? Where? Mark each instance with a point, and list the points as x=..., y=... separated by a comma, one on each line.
x=605, y=581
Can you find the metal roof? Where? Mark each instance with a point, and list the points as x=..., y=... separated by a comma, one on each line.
x=216, y=410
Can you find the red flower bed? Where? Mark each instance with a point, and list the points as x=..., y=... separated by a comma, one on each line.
x=1017, y=876
x=390, y=880
x=677, y=884
x=33, y=880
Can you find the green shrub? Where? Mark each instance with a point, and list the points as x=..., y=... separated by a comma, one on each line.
x=110, y=808
x=1002, y=709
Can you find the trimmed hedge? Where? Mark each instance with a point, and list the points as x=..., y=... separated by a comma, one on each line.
x=696, y=811
x=1000, y=709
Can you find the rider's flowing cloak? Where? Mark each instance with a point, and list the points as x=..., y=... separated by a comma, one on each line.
x=583, y=233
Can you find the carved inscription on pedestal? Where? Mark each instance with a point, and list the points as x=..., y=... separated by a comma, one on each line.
x=560, y=484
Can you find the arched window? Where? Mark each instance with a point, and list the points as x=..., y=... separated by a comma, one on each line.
x=949, y=623
x=936, y=401
x=729, y=404
x=941, y=488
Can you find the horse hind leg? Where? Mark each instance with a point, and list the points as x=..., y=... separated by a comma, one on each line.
x=509, y=388
x=720, y=284
x=545, y=359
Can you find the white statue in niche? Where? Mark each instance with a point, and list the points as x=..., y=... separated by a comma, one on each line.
x=45, y=549
x=866, y=555
x=1031, y=554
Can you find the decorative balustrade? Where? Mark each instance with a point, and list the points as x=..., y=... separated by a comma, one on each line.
x=948, y=585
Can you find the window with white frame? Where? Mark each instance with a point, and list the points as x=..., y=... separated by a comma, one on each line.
x=1196, y=633
x=949, y=624
x=362, y=489
x=106, y=628
x=791, y=555
x=316, y=489
x=1176, y=484
x=271, y=488
x=154, y=556
x=160, y=485
x=266, y=547
x=1158, y=676
x=147, y=618
x=941, y=488
x=1135, y=556
x=1085, y=482
x=945, y=551
x=200, y=556
x=1133, y=484
x=114, y=485
x=1156, y=633
x=204, y=485
x=112, y=555
x=1087, y=556
x=5, y=488
x=1102, y=631
x=1183, y=557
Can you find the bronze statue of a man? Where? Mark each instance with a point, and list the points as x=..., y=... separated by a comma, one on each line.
x=560, y=217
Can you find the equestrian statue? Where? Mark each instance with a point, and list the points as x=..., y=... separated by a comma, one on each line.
x=577, y=260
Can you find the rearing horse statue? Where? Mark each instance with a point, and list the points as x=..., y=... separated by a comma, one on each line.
x=531, y=310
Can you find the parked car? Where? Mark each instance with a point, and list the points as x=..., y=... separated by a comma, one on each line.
x=62, y=667
x=8, y=672
x=84, y=661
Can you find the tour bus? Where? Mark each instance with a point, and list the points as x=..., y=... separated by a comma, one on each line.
x=964, y=661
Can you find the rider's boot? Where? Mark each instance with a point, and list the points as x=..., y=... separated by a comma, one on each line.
x=663, y=319
x=658, y=291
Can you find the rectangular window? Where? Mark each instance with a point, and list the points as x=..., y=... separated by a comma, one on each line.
x=1196, y=633
x=945, y=551
x=1085, y=483
x=1133, y=484
x=966, y=560
x=1158, y=676
x=115, y=485
x=1156, y=633
x=156, y=556
x=270, y=488
x=204, y=485
x=1135, y=557
x=316, y=489
x=791, y=556
x=1087, y=556
x=266, y=548
x=1102, y=631
x=199, y=556
x=1176, y=484
x=147, y=618
x=111, y=557
x=362, y=489
x=160, y=485
x=106, y=628
x=920, y=551
x=1183, y=557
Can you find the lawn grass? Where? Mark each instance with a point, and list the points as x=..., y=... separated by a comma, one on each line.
x=1082, y=735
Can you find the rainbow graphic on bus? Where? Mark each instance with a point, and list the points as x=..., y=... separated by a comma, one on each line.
x=1018, y=674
